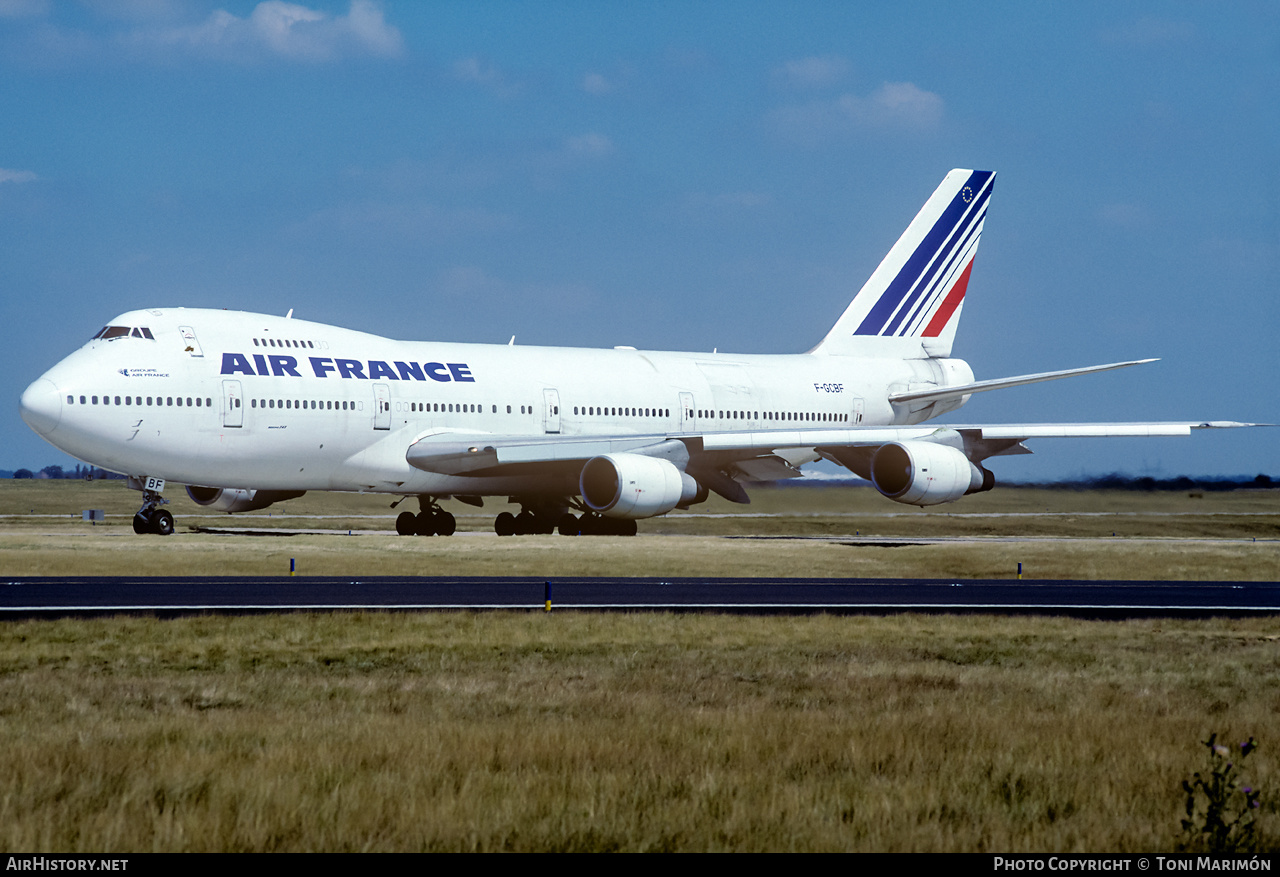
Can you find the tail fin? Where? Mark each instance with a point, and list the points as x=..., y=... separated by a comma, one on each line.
x=917, y=292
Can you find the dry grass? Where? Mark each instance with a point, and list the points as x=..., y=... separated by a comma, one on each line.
x=30, y=552
x=635, y=732
x=1066, y=535
x=640, y=732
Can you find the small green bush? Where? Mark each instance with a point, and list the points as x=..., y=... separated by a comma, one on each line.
x=1223, y=822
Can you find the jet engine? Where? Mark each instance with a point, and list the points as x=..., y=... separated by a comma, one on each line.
x=924, y=473
x=229, y=500
x=635, y=486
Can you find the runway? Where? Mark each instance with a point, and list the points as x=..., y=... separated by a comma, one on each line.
x=169, y=596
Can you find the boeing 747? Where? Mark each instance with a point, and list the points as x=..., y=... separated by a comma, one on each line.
x=247, y=409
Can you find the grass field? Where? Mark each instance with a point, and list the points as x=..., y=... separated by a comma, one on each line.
x=576, y=731
x=827, y=532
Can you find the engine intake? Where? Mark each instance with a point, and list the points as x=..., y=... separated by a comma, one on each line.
x=230, y=500
x=924, y=473
x=635, y=486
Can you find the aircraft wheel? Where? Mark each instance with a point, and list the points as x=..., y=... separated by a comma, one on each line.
x=161, y=523
x=525, y=524
x=568, y=525
x=627, y=527
x=141, y=524
x=505, y=524
x=406, y=524
x=446, y=524
x=424, y=524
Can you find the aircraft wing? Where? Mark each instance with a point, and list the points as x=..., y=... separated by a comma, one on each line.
x=721, y=460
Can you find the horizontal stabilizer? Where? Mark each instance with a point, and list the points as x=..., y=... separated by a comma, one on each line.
x=1001, y=383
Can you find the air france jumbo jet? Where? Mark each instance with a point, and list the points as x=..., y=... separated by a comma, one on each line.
x=247, y=409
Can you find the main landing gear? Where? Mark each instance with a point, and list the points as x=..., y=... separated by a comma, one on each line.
x=431, y=521
x=544, y=519
x=151, y=518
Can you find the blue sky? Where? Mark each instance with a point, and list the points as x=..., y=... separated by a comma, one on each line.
x=665, y=175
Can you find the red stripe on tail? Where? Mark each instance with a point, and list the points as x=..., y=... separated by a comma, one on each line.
x=949, y=304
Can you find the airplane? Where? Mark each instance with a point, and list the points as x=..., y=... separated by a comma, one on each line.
x=246, y=409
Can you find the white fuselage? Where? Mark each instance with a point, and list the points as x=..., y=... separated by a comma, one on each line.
x=240, y=400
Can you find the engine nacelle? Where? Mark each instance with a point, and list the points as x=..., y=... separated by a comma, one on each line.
x=924, y=473
x=634, y=486
x=228, y=499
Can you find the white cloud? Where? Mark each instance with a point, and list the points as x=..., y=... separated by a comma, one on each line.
x=138, y=10
x=702, y=203
x=273, y=29
x=815, y=72
x=287, y=30
x=23, y=8
x=1123, y=215
x=518, y=300
x=1149, y=31
x=591, y=144
x=477, y=71
x=894, y=106
x=903, y=103
x=597, y=84
x=11, y=176
x=420, y=222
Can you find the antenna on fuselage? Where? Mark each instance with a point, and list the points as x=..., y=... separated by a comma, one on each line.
x=512, y=342
x=289, y=316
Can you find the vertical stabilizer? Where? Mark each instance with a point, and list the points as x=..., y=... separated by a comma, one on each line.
x=917, y=292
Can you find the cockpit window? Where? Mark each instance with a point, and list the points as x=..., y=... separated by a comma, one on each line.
x=109, y=332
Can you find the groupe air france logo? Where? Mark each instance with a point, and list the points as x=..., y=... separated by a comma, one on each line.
x=967, y=194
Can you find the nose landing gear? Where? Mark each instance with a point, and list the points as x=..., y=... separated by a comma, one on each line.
x=151, y=518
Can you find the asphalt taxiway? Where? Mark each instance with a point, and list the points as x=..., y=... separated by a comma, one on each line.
x=167, y=596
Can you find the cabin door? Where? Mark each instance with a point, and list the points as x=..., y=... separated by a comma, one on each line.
x=551, y=411
x=855, y=415
x=381, y=406
x=232, y=404
x=688, y=419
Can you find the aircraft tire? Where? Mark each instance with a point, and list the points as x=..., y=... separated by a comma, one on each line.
x=525, y=524
x=505, y=524
x=141, y=524
x=568, y=525
x=406, y=524
x=446, y=524
x=161, y=523
x=424, y=524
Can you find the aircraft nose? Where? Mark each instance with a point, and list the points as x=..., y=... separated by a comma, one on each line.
x=41, y=406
